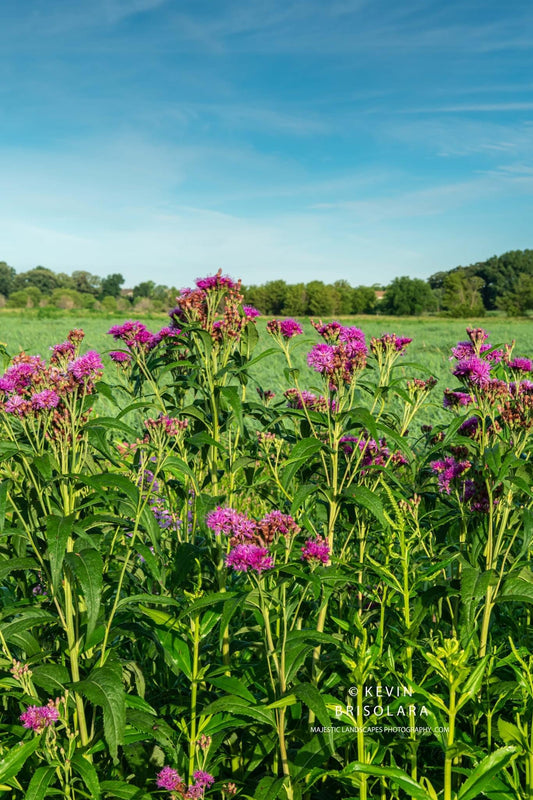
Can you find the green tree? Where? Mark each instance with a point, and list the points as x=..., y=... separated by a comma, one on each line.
x=144, y=289
x=407, y=297
x=85, y=282
x=461, y=294
x=321, y=299
x=7, y=276
x=344, y=303
x=519, y=301
x=363, y=300
x=295, y=300
x=40, y=278
x=111, y=285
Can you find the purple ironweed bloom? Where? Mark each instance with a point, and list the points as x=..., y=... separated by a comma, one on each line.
x=249, y=556
x=134, y=334
x=274, y=525
x=477, y=335
x=215, y=282
x=330, y=331
x=21, y=373
x=168, y=332
x=455, y=399
x=46, y=399
x=469, y=427
x=473, y=370
x=250, y=312
x=315, y=550
x=119, y=357
x=86, y=366
x=265, y=394
x=194, y=791
x=40, y=717
x=169, y=779
x=447, y=470
x=17, y=405
x=322, y=358
x=172, y=426
x=203, y=778
x=290, y=328
x=229, y=521
x=305, y=399
x=388, y=342
x=465, y=350
x=147, y=481
x=64, y=349
x=521, y=364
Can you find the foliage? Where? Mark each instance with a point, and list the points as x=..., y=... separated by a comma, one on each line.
x=408, y=296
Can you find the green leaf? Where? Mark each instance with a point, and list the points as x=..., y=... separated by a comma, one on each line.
x=481, y=778
x=301, y=496
x=88, y=774
x=269, y=788
x=238, y=707
x=51, y=677
x=518, y=588
x=13, y=564
x=40, y=782
x=233, y=686
x=398, y=776
x=14, y=759
x=231, y=395
x=112, y=480
x=311, y=697
x=511, y=733
x=120, y=790
x=3, y=504
x=58, y=530
x=88, y=566
x=104, y=688
x=369, y=500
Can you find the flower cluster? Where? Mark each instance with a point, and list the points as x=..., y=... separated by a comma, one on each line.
x=170, y=780
x=448, y=470
x=304, y=399
x=37, y=718
x=151, y=487
x=30, y=387
x=373, y=454
x=316, y=550
x=215, y=306
x=168, y=426
x=249, y=538
x=389, y=343
x=341, y=356
x=285, y=328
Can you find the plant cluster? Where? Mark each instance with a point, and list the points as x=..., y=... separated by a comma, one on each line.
x=217, y=591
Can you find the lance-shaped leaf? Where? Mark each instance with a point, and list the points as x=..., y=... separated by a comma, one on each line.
x=41, y=780
x=58, y=530
x=482, y=777
x=13, y=761
x=104, y=688
x=87, y=566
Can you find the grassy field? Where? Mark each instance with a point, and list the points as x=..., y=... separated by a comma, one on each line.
x=432, y=340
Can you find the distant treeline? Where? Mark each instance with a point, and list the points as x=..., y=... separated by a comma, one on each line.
x=500, y=283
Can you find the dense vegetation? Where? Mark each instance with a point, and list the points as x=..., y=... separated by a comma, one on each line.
x=210, y=591
x=502, y=282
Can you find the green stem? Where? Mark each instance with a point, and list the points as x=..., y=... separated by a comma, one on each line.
x=194, y=689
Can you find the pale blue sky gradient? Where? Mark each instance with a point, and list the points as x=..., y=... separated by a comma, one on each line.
x=296, y=139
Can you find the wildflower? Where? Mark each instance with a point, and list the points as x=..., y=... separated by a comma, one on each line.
x=265, y=394
x=447, y=470
x=204, y=743
x=477, y=335
x=316, y=550
x=203, y=778
x=120, y=357
x=44, y=400
x=86, y=366
x=274, y=525
x=521, y=364
x=63, y=351
x=17, y=405
x=469, y=427
x=389, y=343
x=215, y=282
x=473, y=370
x=169, y=779
x=171, y=426
x=330, y=331
x=305, y=399
x=134, y=334
x=322, y=358
x=230, y=788
x=40, y=717
x=246, y=557
x=229, y=521
x=20, y=671
x=250, y=312
x=287, y=328
x=456, y=399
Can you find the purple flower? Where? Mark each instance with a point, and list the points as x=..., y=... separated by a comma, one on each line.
x=521, y=364
x=447, y=470
x=249, y=556
x=469, y=427
x=86, y=366
x=290, y=328
x=119, y=357
x=46, y=399
x=389, y=342
x=21, y=374
x=274, y=525
x=40, y=717
x=169, y=779
x=134, y=334
x=215, y=282
x=316, y=550
x=250, y=312
x=456, y=399
x=473, y=370
x=203, y=778
x=322, y=358
x=63, y=350
x=229, y=521
x=17, y=405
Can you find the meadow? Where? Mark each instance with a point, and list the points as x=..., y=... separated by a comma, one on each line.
x=320, y=590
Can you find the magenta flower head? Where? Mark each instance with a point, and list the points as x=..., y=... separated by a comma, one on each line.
x=40, y=717
x=473, y=370
x=203, y=778
x=316, y=550
x=17, y=405
x=217, y=281
x=521, y=364
x=287, y=328
x=46, y=400
x=169, y=779
x=456, y=399
x=230, y=522
x=274, y=525
x=120, y=358
x=477, y=335
x=322, y=358
x=250, y=312
x=246, y=557
x=86, y=366
x=389, y=343
x=447, y=470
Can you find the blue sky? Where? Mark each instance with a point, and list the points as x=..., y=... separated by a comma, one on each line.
x=295, y=139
